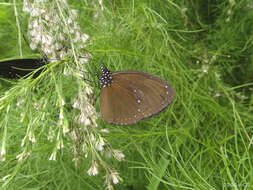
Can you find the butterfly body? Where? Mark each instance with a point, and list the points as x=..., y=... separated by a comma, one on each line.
x=130, y=96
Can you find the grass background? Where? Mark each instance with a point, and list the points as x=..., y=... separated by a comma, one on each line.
x=204, y=139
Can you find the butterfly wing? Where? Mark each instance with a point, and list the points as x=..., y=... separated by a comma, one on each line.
x=17, y=68
x=134, y=96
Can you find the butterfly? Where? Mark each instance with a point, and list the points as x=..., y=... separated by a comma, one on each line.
x=127, y=97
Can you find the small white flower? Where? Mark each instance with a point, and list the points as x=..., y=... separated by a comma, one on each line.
x=82, y=118
x=108, y=154
x=42, y=11
x=47, y=50
x=49, y=40
x=89, y=108
x=26, y=6
x=51, y=135
x=74, y=13
x=35, y=12
x=214, y=57
x=58, y=46
x=93, y=170
x=35, y=24
x=92, y=138
x=77, y=36
x=33, y=46
x=61, y=116
x=84, y=149
x=33, y=32
x=115, y=176
x=69, y=21
x=82, y=46
x=6, y=177
x=65, y=129
x=205, y=60
x=22, y=156
x=88, y=90
x=30, y=26
x=61, y=36
x=118, y=155
x=60, y=122
x=53, y=156
x=76, y=104
x=83, y=60
x=71, y=31
x=43, y=39
x=61, y=54
x=73, y=135
x=20, y=102
x=100, y=144
x=23, y=142
x=76, y=27
x=105, y=131
x=22, y=115
x=87, y=122
x=217, y=94
x=101, y=4
x=36, y=106
x=3, y=154
x=85, y=37
x=47, y=17
x=60, y=146
x=32, y=139
x=205, y=68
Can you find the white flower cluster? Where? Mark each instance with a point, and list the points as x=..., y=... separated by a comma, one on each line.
x=92, y=138
x=53, y=28
x=53, y=32
x=88, y=114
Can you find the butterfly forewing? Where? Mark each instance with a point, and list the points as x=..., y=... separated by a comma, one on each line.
x=17, y=68
x=133, y=96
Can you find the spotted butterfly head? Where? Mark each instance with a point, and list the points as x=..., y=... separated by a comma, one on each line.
x=106, y=77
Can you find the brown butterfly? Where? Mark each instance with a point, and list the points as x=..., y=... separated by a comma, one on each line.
x=130, y=96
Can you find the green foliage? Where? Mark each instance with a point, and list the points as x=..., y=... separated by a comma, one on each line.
x=203, y=141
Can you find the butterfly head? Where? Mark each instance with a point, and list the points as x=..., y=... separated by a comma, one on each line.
x=106, y=77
